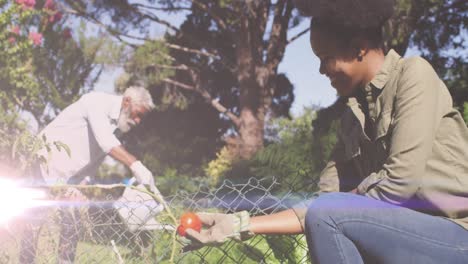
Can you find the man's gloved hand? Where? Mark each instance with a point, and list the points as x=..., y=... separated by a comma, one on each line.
x=221, y=227
x=142, y=174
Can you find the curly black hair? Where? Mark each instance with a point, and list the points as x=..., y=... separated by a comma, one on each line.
x=358, y=14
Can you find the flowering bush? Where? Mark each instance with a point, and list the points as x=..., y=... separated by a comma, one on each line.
x=36, y=38
x=24, y=26
x=27, y=11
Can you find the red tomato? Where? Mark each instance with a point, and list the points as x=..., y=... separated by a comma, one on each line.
x=181, y=230
x=189, y=220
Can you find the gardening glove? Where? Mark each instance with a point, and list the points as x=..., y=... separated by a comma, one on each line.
x=221, y=227
x=142, y=174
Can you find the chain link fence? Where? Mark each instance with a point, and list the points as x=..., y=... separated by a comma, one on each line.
x=106, y=230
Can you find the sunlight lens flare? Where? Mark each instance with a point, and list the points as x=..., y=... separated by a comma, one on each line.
x=14, y=200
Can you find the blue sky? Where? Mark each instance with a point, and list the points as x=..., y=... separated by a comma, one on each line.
x=302, y=68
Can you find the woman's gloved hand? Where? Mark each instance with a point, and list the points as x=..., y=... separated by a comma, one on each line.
x=220, y=228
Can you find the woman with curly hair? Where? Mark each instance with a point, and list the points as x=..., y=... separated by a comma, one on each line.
x=396, y=187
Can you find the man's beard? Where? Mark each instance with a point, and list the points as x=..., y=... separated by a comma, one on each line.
x=125, y=122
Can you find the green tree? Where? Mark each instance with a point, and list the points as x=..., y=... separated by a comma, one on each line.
x=243, y=75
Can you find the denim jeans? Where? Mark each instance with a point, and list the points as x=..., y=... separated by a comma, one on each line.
x=350, y=228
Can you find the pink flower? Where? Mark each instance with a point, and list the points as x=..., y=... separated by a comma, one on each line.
x=36, y=38
x=29, y=3
x=26, y=3
x=11, y=40
x=50, y=5
x=15, y=30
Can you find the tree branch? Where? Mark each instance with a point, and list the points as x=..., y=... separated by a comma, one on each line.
x=111, y=31
x=181, y=67
x=215, y=103
x=189, y=50
x=143, y=13
x=166, y=9
x=277, y=41
x=119, y=35
x=300, y=34
x=158, y=20
x=179, y=84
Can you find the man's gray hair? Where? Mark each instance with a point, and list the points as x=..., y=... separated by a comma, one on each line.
x=140, y=96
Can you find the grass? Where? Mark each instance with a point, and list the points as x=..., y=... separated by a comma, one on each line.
x=255, y=250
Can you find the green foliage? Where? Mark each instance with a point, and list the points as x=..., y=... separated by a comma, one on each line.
x=148, y=59
x=18, y=147
x=282, y=245
x=255, y=250
x=18, y=85
x=21, y=149
x=295, y=155
x=441, y=36
x=438, y=30
x=217, y=168
x=149, y=63
x=172, y=181
x=290, y=154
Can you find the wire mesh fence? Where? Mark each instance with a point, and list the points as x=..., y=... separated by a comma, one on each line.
x=116, y=229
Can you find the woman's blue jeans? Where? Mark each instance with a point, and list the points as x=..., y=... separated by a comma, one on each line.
x=350, y=228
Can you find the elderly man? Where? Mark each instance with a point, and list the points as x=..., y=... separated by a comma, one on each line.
x=89, y=127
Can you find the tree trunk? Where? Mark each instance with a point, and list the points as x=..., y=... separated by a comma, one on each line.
x=251, y=133
x=257, y=66
x=252, y=117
